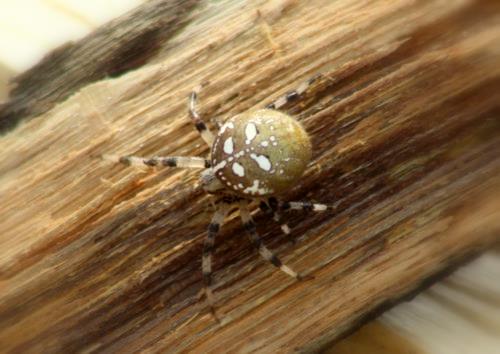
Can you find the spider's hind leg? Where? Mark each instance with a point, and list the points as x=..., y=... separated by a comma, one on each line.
x=305, y=206
x=250, y=226
x=274, y=206
x=271, y=208
x=208, y=249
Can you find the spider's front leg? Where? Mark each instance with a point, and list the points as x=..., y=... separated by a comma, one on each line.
x=202, y=128
x=173, y=161
x=293, y=94
x=169, y=161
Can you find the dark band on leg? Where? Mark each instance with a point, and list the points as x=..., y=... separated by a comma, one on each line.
x=273, y=203
x=213, y=228
x=200, y=126
x=285, y=206
x=208, y=250
x=313, y=79
x=170, y=162
x=125, y=160
x=292, y=96
x=307, y=206
x=257, y=242
x=207, y=278
x=151, y=162
x=250, y=227
x=275, y=261
x=265, y=208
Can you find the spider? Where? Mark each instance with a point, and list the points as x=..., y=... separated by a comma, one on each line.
x=255, y=156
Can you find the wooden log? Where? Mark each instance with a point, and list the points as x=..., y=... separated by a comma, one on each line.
x=122, y=45
x=405, y=127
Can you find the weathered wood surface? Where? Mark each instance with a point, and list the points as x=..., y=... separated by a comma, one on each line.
x=406, y=131
x=122, y=45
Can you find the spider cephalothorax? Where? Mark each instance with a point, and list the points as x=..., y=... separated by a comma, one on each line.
x=254, y=156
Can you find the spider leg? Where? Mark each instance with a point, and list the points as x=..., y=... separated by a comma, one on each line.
x=270, y=210
x=202, y=128
x=170, y=161
x=208, y=249
x=305, y=206
x=249, y=225
x=293, y=94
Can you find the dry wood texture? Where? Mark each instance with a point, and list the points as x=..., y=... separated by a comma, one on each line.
x=405, y=126
x=122, y=45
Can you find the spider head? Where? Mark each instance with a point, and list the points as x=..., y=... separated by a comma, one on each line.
x=209, y=182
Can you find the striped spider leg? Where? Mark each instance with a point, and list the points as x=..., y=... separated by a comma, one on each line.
x=255, y=155
x=270, y=207
x=174, y=161
x=168, y=161
x=200, y=125
x=273, y=207
x=256, y=240
x=208, y=250
x=293, y=95
x=304, y=206
x=223, y=207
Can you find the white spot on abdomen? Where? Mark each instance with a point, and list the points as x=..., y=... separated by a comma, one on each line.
x=229, y=146
x=250, y=132
x=262, y=161
x=254, y=189
x=220, y=165
x=238, y=169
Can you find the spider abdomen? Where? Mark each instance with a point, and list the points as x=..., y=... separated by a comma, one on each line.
x=260, y=153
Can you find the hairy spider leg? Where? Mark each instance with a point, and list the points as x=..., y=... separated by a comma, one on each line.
x=169, y=161
x=202, y=128
x=208, y=250
x=293, y=94
x=256, y=240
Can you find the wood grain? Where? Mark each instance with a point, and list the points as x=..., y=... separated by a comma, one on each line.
x=405, y=127
x=112, y=50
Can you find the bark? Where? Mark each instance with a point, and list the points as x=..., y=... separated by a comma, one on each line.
x=405, y=127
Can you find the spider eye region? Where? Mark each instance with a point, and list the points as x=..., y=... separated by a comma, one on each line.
x=260, y=153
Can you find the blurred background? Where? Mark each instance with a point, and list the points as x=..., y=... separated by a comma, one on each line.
x=31, y=28
x=461, y=314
